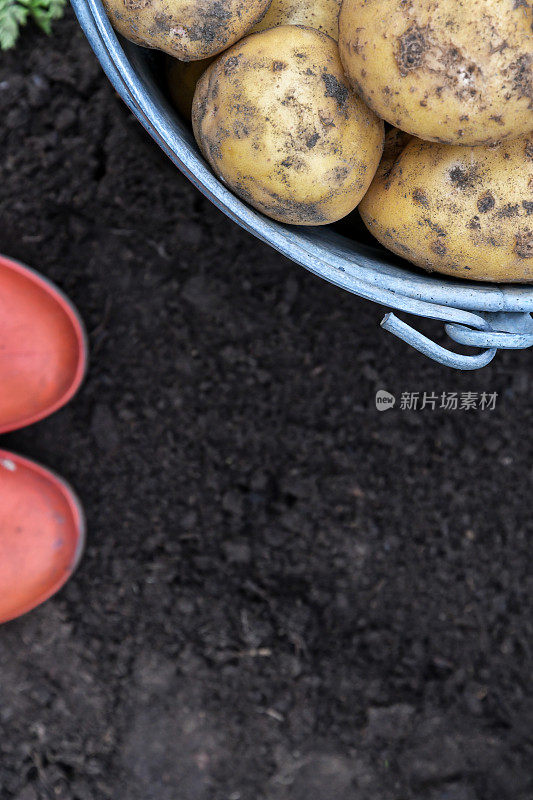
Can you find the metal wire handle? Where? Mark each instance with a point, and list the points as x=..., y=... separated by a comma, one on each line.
x=492, y=331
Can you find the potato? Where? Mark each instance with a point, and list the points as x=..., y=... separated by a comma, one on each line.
x=463, y=211
x=395, y=141
x=323, y=15
x=454, y=71
x=320, y=14
x=277, y=121
x=182, y=77
x=186, y=29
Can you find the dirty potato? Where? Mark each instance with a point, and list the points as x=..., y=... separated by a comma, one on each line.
x=323, y=15
x=320, y=14
x=182, y=77
x=395, y=141
x=454, y=71
x=463, y=211
x=186, y=29
x=278, y=123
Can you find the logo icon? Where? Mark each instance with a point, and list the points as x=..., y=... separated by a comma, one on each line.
x=384, y=400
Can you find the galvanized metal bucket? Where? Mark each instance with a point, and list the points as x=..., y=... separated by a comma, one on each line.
x=483, y=316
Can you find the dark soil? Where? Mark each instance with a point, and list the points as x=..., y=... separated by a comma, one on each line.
x=286, y=595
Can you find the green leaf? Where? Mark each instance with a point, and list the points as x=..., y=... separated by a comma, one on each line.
x=15, y=13
x=44, y=12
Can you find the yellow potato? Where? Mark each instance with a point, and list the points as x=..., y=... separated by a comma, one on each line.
x=182, y=77
x=277, y=121
x=186, y=29
x=454, y=71
x=320, y=14
x=323, y=15
x=463, y=211
x=395, y=141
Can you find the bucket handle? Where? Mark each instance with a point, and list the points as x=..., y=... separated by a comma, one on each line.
x=501, y=331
